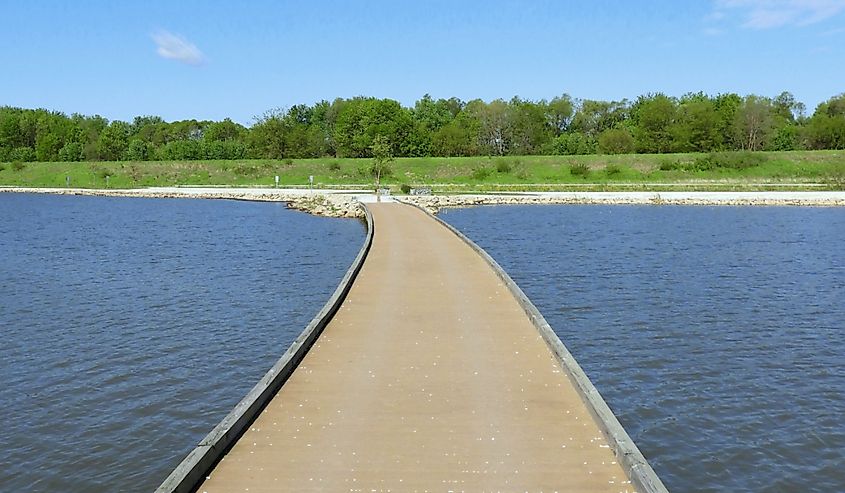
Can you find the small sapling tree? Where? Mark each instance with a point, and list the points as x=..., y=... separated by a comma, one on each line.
x=382, y=159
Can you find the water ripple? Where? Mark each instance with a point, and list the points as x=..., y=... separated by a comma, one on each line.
x=715, y=334
x=132, y=326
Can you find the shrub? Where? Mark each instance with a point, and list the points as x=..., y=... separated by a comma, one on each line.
x=521, y=173
x=786, y=138
x=18, y=165
x=288, y=161
x=135, y=172
x=742, y=160
x=503, y=166
x=23, y=154
x=571, y=144
x=406, y=189
x=612, y=169
x=182, y=150
x=481, y=172
x=579, y=169
x=99, y=171
x=334, y=166
x=701, y=163
x=252, y=168
x=2, y=167
x=215, y=150
x=667, y=164
x=729, y=160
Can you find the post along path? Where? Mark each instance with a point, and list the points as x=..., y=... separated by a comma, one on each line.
x=430, y=377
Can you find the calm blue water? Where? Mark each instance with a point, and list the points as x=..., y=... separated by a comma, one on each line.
x=130, y=327
x=717, y=335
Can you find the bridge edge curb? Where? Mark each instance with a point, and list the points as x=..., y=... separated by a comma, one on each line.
x=186, y=477
x=632, y=460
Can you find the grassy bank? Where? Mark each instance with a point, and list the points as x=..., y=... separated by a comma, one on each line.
x=732, y=171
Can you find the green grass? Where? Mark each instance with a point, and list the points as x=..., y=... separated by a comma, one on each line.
x=797, y=169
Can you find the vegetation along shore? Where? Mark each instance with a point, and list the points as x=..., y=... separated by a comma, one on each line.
x=652, y=123
x=656, y=142
x=783, y=170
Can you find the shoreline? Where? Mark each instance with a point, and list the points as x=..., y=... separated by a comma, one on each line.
x=343, y=203
x=802, y=199
x=320, y=202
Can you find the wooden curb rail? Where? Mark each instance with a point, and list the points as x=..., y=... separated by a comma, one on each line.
x=199, y=462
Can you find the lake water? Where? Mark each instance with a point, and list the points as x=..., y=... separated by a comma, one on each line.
x=717, y=335
x=131, y=327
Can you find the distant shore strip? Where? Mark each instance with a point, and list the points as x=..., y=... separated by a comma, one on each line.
x=342, y=203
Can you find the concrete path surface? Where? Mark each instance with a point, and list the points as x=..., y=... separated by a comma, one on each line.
x=429, y=378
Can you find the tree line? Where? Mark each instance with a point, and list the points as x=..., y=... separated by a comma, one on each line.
x=653, y=123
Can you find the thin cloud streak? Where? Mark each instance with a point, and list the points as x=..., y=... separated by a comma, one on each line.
x=769, y=14
x=174, y=47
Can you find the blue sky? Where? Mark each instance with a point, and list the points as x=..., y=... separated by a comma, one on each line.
x=214, y=59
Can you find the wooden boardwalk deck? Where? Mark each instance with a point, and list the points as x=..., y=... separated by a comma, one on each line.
x=429, y=378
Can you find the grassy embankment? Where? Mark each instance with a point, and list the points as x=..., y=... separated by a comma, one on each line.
x=795, y=170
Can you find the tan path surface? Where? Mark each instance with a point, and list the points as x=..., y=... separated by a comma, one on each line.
x=429, y=378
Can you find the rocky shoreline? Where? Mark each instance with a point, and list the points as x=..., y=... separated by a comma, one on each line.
x=329, y=205
x=347, y=204
x=435, y=203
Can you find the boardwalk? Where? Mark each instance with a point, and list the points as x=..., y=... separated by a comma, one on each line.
x=429, y=378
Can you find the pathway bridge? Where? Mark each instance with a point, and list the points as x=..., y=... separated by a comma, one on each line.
x=428, y=371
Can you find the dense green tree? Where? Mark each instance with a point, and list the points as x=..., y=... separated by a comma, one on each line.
x=654, y=117
x=150, y=129
x=458, y=138
x=433, y=115
x=72, y=152
x=727, y=107
x=224, y=131
x=559, y=113
x=696, y=125
x=754, y=122
x=113, y=141
x=28, y=128
x=362, y=119
x=429, y=118
x=10, y=130
x=616, y=141
x=594, y=117
x=787, y=107
x=181, y=150
x=529, y=129
x=827, y=125
x=657, y=123
x=90, y=129
x=267, y=136
x=138, y=150
x=785, y=138
x=573, y=144
x=494, y=137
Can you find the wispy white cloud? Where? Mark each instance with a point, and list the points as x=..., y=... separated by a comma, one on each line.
x=175, y=47
x=768, y=14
